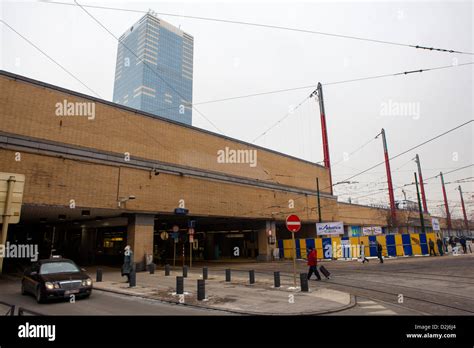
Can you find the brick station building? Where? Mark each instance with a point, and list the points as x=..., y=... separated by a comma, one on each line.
x=95, y=183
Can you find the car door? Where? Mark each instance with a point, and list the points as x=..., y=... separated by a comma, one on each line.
x=31, y=278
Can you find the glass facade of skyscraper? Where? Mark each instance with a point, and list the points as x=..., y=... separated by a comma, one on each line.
x=158, y=76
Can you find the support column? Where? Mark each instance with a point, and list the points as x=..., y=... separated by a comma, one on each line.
x=88, y=242
x=140, y=237
x=265, y=249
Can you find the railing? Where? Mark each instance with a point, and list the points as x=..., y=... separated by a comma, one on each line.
x=11, y=309
x=23, y=311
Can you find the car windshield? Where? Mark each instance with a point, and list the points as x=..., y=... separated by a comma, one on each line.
x=58, y=267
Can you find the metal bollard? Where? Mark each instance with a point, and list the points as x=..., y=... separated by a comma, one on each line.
x=185, y=271
x=151, y=268
x=276, y=279
x=167, y=270
x=133, y=278
x=227, y=275
x=304, y=282
x=201, y=289
x=179, y=285
x=204, y=273
x=252, y=276
x=98, y=277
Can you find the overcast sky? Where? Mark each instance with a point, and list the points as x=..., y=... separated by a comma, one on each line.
x=232, y=60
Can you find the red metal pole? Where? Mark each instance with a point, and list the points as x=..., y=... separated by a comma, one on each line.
x=463, y=209
x=389, y=180
x=327, y=160
x=422, y=186
x=448, y=216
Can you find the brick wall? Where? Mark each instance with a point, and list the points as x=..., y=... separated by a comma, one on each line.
x=29, y=109
x=55, y=181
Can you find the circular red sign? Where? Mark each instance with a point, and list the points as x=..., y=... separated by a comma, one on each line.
x=293, y=223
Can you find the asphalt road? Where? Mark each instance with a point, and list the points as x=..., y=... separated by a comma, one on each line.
x=99, y=303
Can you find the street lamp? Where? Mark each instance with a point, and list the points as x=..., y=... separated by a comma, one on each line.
x=124, y=199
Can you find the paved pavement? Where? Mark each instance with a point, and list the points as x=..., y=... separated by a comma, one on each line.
x=237, y=296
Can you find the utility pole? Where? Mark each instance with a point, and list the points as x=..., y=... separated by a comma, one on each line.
x=448, y=216
x=463, y=209
x=327, y=160
x=393, y=211
x=422, y=219
x=7, y=214
x=319, y=202
x=422, y=186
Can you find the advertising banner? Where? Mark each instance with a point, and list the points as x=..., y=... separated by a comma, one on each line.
x=371, y=231
x=329, y=228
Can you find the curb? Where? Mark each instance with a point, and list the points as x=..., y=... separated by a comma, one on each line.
x=351, y=304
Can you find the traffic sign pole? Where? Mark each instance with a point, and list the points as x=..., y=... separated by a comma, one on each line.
x=174, y=252
x=293, y=224
x=294, y=258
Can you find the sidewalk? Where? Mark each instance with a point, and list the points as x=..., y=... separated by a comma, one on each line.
x=237, y=296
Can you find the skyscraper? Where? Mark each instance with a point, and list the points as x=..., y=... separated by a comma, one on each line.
x=154, y=69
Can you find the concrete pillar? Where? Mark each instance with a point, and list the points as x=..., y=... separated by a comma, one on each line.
x=140, y=237
x=265, y=250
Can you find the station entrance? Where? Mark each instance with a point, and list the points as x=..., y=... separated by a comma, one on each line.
x=99, y=236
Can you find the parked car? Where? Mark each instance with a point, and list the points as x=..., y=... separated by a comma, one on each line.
x=56, y=278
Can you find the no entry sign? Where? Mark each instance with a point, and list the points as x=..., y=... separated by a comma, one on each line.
x=293, y=223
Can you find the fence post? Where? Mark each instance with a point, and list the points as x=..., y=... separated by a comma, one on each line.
x=252, y=276
x=179, y=285
x=276, y=278
x=201, y=289
x=304, y=282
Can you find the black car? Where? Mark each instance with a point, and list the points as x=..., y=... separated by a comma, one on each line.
x=56, y=278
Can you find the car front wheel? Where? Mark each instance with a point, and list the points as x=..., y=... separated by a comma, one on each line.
x=39, y=295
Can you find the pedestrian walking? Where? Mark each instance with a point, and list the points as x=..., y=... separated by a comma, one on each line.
x=432, y=249
x=440, y=246
x=362, y=253
x=312, y=263
x=379, y=252
x=445, y=242
x=452, y=242
x=127, y=266
x=463, y=244
x=163, y=256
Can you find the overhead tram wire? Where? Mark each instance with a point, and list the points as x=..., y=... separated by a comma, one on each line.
x=289, y=113
x=124, y=114
x=403, y=73
x=374, y=166
x=49, y=57
x=276, y=91
x=269, y=26
x=411, y=184
x=353, y=152
x=144, y=63
x=406, y=151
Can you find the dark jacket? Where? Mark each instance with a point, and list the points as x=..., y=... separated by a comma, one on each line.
x=127, y=263
x=379, y=248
